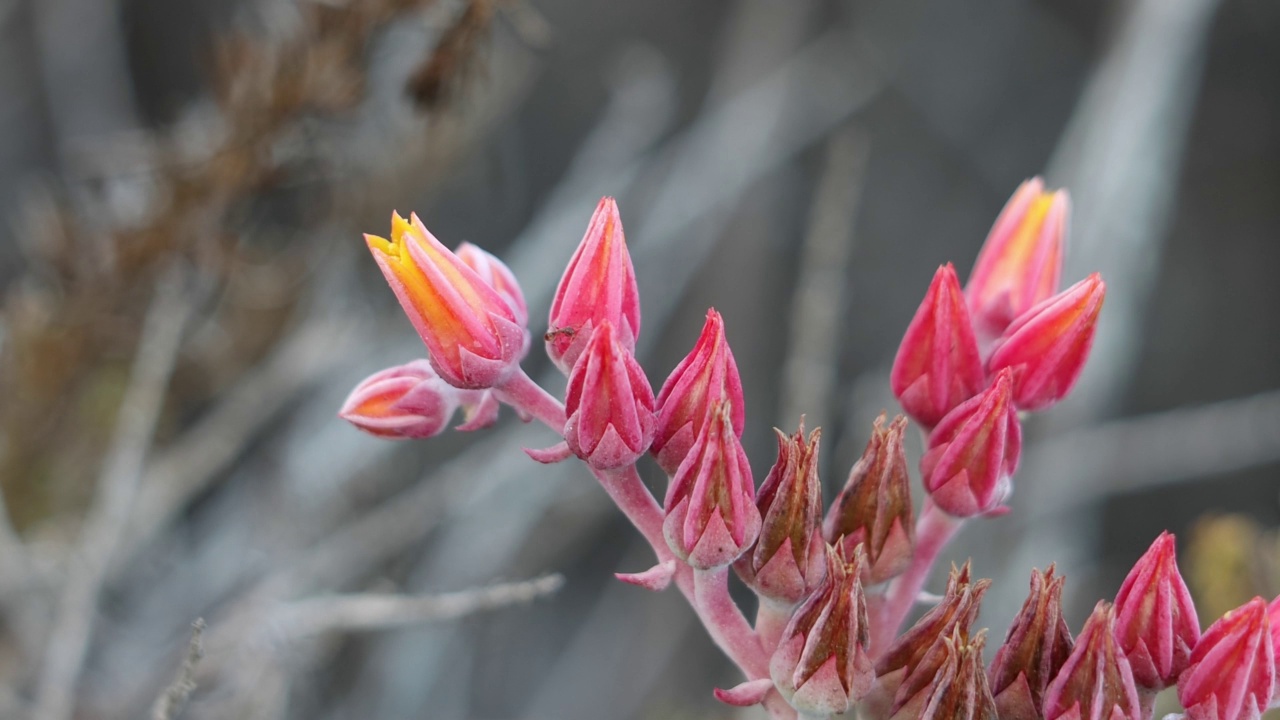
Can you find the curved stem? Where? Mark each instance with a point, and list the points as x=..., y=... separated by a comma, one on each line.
x=709, y=596
x=522, y=393
x=771, y=621
x=934, y=530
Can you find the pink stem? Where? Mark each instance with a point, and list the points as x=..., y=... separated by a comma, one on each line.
x=934, y=530
x=771, y=621
x=708, y=595
x=522, y=393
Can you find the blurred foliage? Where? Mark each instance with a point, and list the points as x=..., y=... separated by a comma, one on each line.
x=1230, y=560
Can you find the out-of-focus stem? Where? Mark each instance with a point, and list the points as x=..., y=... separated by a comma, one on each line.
x=934, y=530
x=522, y=393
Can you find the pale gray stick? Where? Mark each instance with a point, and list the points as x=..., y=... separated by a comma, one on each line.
x=115, y=492
x=809, y=373
x=363, y=612
x=170, y=703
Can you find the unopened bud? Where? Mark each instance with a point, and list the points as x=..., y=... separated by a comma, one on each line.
x=1036, y=647
x=608, y=403
x=711, y=515
x=1020, y=264
x=1047, y=346
x=972, y=455
x=821, y=665
x=874, y=508
x=937, y=366
x=707, y=375
x=599, y=284
x=1156, y=620
x=1095, y=683
x=789, y=559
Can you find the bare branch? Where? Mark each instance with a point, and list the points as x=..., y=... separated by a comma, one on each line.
x=116, y=489
x=174, y=697
x=314, y=616
x=809, y=371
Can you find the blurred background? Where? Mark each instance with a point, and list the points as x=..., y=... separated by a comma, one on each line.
x=187, y=301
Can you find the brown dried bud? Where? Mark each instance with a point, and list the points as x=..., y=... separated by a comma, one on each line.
x=1035, y=649
x=788, y=561
x=874, y=509
x=959, y=690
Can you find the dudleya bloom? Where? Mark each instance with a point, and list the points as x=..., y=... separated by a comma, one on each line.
x=1156, y=621
x=707, y=375
x=404, y=402
x=1095, y=683
x=473, y=337
x=1232, y=671
x=1020, y=264
x=789, y=559
x=973, y=453
x=1035, y=649
x=1046, y=347
x=609, y=404
x=711, y=515
x=937, y=366
x=821, y=665
x=874, y=508
x=598, y=284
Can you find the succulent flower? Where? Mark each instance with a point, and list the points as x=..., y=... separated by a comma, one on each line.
x=1035, y=648
x=937, y=366
x=972, y=455
x=599, y=284
x=1095, y=683
x=1156, y=621
x=788, y=560
x=874, y=508
x=1020, y=264
x=404, y=402
x=711, y=515
x=821, y=665
x=608, y=403
x=958, y=690
x=1046, y=347
x=473, y=337
x=707, y=375
x=1232, y=675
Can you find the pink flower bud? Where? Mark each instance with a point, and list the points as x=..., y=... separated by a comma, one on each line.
x=711, y=512
x=496, y=275
x=1273, y=619
x=1095, y=683
x=1020, y=264
x=1035, y=649
x=973, y=453
x=599, y=284
x=937, y=366
x=959, y=690
x=821, y=664
x=1233, y=667
x=1156, y=622
x=789, y=559
x=407, y=401
x=707, y=375
x=474, y=339
x=1047, y=346
x=908, y=667
x=874, y=508
x=608, y=403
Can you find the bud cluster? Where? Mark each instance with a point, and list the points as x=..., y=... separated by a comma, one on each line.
x=834, y=584
x=1009, y=341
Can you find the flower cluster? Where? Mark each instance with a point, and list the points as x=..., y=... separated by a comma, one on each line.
x=835, y=585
